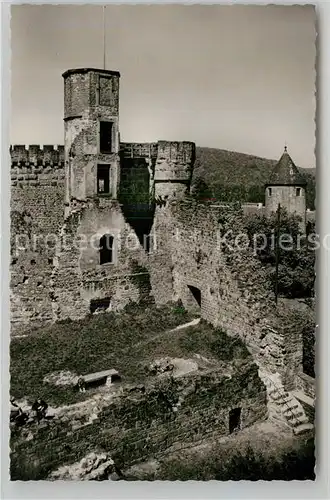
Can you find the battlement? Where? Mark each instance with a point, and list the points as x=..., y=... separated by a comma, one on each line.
x=138, y=149
x=49, y=155
x=174, y=169
x=176, y=152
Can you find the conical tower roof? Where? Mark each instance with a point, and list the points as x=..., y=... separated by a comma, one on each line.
x=285, y=173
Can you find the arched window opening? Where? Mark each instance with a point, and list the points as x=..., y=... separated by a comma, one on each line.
x=106, y=249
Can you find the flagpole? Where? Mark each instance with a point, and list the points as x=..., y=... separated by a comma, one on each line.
x=103, y=36
x=277, y=250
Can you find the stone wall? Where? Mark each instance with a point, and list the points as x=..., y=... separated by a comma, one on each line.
x=37, y=211
x=90, y=96
x=174, y=168
x=287, y=197
x=78, y=275
x=139, y=149
x=89, y=88
x=306, y=384
x=139, y=424
x=201, y=247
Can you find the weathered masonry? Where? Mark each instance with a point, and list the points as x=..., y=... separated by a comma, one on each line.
x=145, y=421
x=100, y=223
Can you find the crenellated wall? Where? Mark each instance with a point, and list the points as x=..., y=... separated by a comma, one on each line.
x=34, y=155
x=37, y=212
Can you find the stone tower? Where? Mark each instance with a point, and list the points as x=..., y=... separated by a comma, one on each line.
x=91, y=135
x=173, y=169
x=286, y=187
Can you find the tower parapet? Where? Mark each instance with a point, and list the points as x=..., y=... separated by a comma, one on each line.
x=35, y=155
x=174, y=168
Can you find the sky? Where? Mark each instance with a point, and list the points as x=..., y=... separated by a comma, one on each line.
x=240, y=78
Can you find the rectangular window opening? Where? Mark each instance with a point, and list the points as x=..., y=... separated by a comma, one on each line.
x=106, y=137
x=269, y=191
x=298, y=191
x=103, y=179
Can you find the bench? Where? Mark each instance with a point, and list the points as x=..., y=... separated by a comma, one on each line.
x=106, y=377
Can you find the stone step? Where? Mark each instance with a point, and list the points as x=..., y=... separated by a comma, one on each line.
x=304, y=398
x=278, y=393
x=294, y=416
x=291, y=409
x=298, y=421
x=284, y=401
x=274, y=394
x=303, y=428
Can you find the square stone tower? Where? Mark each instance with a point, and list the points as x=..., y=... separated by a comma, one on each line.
x=91, y=135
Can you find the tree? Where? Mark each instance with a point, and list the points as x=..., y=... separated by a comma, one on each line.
x=200, y=190
x=296, y=272
x=256, y=194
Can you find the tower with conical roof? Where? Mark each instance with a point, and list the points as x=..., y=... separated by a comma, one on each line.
x=287, y=187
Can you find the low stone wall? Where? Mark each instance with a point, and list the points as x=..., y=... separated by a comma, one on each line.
x=144, y=423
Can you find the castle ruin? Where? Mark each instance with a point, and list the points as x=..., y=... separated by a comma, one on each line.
x=100, y=223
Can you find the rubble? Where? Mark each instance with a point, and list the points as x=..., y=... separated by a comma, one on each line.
x=93, y=467
x=62, y=377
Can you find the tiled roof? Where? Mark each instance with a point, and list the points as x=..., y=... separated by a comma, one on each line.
x=285, y=173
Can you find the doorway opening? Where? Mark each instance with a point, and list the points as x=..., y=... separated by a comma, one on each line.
x=234, y=420
x=99, y=304
x=196, y=295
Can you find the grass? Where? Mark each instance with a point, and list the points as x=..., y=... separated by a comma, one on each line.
x=127, y=342
x=93, y=344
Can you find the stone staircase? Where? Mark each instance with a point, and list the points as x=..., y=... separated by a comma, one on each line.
x=284, y=406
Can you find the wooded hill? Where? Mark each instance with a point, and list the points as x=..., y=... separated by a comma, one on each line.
x=232, y=176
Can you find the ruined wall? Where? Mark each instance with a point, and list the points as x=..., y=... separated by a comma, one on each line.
x=37, y=210
x=203, y=247
x=78, y=275
x=137, y=425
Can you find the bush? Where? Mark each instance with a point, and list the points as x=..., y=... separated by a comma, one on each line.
x=296, y=272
